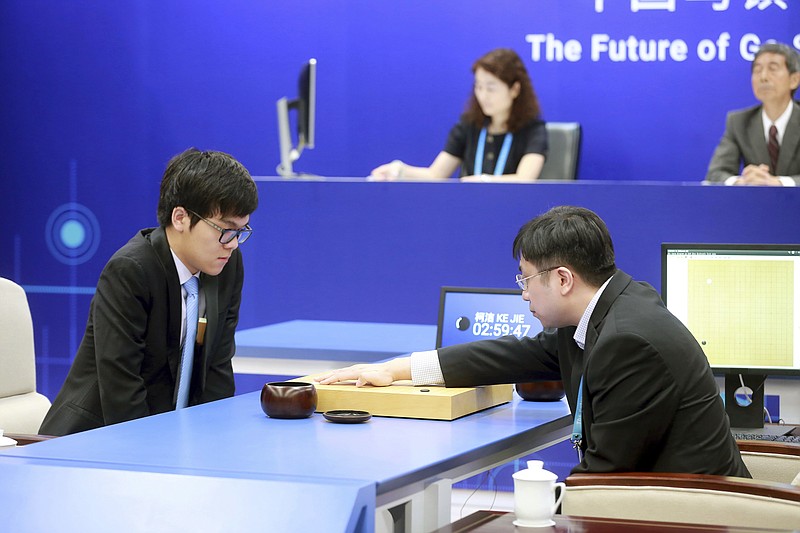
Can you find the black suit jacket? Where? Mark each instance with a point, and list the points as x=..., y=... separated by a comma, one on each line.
x=743, y=143
x=127, y=364
x=650, y=402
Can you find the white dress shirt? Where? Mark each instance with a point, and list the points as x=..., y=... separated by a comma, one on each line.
x=183, y=277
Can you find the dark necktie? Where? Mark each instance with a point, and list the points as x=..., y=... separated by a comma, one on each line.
x=774, y=149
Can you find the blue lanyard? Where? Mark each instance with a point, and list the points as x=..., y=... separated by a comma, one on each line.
x=577, y=425
x=501, y=159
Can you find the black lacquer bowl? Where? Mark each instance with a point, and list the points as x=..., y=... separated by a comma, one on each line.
x=288, y=399
x=541, y=391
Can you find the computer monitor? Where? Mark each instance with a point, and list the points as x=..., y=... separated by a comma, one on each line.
x=741, y=302
x=305, y=107
x=471, y=313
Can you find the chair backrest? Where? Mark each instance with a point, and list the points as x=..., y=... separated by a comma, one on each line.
x=17, y=365
x=771, y=461
x=685, y=498
x=21, y=407
x=564, y=140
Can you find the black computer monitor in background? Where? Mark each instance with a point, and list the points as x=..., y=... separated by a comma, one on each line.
x=305, y=108
x=740, y=301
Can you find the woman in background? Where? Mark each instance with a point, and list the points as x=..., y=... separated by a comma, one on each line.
x=499, y=138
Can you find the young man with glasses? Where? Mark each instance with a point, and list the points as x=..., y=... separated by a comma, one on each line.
x=640, y=387
x=160, y=333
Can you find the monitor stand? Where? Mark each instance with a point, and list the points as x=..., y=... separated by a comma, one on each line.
x=751, y=414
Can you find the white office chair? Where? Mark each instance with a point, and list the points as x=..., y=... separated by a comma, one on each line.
x=22, y=409
x=687, y=498
x=564, y=140
x=771, y=461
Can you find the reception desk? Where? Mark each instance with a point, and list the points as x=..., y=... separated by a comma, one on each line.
x=361, y=251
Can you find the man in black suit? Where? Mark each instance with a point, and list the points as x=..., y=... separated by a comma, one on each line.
x=764, y=140
x=648, y=398
x=129, y=362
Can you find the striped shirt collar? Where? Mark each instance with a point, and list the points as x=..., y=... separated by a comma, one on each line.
x=583, y=325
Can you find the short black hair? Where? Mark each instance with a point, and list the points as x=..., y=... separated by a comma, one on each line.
x=208, y=183
x=569, y=236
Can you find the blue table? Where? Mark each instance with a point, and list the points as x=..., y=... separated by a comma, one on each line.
x=103, y=497
x=411, y=463
x=302, y=347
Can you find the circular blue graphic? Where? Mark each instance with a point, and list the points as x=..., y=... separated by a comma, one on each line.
x=72, y=234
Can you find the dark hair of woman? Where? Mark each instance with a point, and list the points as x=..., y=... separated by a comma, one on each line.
x=505, y=64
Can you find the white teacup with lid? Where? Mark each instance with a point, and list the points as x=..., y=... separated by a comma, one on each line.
x=6, y=442
x=535, y=501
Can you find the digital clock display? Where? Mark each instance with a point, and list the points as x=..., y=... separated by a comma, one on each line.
x=469, y=314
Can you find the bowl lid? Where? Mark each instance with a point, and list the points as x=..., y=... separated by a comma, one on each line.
x=347, y=416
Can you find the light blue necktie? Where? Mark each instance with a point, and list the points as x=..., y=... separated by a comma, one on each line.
x=187, y=358
x=577, y=424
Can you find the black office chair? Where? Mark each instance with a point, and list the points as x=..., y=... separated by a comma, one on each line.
x=564, y=139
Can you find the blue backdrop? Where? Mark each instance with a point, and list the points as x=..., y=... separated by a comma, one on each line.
x=97, y=96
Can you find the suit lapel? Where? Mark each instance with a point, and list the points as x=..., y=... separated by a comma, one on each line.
x=791, y=139
x=755, y=134
x=618, y=282
x=210, y=285
x=158, y=240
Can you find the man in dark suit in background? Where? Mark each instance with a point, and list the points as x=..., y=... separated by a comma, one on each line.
x=131, y=359
x=764, y=139
x=646, y=394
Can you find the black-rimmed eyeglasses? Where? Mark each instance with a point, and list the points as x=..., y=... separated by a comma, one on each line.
x=227, y=235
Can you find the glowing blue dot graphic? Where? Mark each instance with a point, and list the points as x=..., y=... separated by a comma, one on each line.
x=73, y=234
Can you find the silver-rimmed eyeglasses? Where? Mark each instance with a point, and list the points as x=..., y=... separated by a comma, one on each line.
x=523, y=282
x=227, y=235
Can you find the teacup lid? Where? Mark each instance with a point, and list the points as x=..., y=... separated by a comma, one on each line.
x=6, y=441
x=535, y=472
